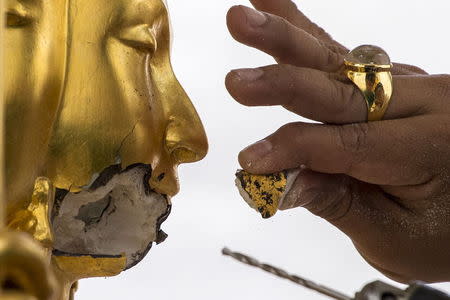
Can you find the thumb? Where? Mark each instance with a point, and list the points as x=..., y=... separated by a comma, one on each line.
x=325, y=195
x=356, y=208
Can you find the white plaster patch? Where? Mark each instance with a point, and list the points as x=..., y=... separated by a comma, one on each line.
x=120, y=217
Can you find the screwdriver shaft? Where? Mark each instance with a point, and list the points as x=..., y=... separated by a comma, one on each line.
x=283, y=274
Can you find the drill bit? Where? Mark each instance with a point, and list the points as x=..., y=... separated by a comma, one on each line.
x=283, y=274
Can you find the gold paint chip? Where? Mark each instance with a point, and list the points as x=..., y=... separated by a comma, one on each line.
x=264, y=193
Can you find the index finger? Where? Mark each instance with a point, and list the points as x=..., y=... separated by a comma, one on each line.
x=288, y=9
x=280, y=39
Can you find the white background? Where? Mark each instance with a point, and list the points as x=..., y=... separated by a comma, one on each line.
x=208, y=213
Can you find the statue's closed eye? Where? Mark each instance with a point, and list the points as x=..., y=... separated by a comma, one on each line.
x=17, y=17
x=139, y=37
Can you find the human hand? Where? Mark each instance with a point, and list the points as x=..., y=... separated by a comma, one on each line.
x=385, y=184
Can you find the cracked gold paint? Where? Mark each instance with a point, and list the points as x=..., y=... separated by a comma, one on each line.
x=122, y=101
x=85, y=92
x=264, y=191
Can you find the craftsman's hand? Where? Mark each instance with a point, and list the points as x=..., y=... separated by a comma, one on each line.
x=385, y=184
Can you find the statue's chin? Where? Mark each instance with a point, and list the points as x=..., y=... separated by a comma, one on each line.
x=118, y=214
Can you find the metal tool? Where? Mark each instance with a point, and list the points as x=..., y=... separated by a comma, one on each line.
x=376, y=290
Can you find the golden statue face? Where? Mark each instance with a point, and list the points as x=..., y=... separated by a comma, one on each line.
x=93, y=105
x=125, y=124
x=34, y=66
x=122, y=103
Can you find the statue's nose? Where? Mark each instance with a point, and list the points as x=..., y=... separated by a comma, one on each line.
x=184, y=141
x=185, y=137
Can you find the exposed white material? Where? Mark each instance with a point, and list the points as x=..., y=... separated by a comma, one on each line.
x=244, y=194
x=114, y=219
x=291, y=177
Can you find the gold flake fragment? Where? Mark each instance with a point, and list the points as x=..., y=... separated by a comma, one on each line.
x=262, y=192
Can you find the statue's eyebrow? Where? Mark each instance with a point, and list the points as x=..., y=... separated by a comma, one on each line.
x=28, y=3
x=21, y=6
x=145, y=11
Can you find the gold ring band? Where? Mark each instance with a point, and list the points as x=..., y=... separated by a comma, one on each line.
x=369, y=68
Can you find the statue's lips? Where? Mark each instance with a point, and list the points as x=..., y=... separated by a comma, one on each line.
x=118, y=213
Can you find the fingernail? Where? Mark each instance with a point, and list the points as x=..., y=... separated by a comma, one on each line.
x=249, y=74
x=254, y=17
x=257, y=150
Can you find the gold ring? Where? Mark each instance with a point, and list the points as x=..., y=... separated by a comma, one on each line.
x=369, y=68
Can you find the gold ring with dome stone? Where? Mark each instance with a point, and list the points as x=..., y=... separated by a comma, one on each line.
x=369, y=68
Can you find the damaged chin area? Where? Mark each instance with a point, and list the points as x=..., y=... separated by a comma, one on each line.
x=118, y=214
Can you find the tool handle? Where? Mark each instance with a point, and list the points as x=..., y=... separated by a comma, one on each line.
x=423, y=292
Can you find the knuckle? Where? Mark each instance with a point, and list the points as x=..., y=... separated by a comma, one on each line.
x=292, y=75
x=320, y=32
x=334, y=59
x=292, y=84
x=342, y=51
x=286, y=38
x=287, y=27
x=290, y=129
x=294, y=132
x=348, y=97
x=282, y=25
x=349, y=105
x=291, y=97
x=292, y=9
x=353, y=139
